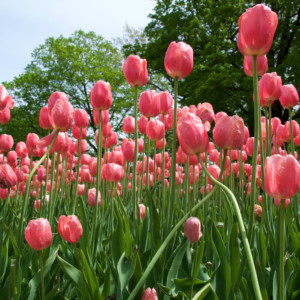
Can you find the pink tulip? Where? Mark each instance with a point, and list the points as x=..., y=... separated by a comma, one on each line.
x=192, y=136
x=4, y=115
x=6, y=142
x=149, y=104
x=70, y=229
x=44, y=118
x=269, y=88
x=135, y=70
x=128, y=125
x=38, y=234
x=229, y=132
x=282, y=176
x=62, y=115
x=155, y=130
x=205, y=112
x=81, y=118
x=192, y=229
x=150, y=294
x=92, y=197
x=179, y=60
x=8, y=177
x=100, y=96
x=54, y=97
x=256, y=30
x=112, y=172
x=262, y=65
x=289, y=96
x=165, y=102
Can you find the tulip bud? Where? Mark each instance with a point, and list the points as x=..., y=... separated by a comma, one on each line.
x=192, y=229
x=100, y=96
x=150, y=294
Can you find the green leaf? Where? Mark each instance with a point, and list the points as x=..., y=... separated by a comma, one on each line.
x=234, y=248
x=73, y=273
x=36, y=280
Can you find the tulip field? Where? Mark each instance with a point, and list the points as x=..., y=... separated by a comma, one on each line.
x=214, y=217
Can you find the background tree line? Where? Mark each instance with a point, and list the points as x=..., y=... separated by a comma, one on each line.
x=75, y=63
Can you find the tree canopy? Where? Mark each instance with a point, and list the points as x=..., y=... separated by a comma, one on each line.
x=71, y=65
x=211, y=28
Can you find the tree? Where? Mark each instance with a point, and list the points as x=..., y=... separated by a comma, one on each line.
x=72, y=65
x=211, y=28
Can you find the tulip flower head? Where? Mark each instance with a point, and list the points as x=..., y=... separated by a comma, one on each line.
x=282, y=176
x=179, y=60
x=135, y=70
x=150, y=294
x=192, y=229
x=256, y=30
x=70, y=229
x=38, y=234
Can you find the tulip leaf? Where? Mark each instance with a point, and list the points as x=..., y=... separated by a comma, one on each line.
x=36, y=280
x=234, y=246
x=222, y=274
x=73, y=273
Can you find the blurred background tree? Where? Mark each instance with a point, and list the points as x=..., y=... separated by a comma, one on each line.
x=211, y=28
x=73, y=64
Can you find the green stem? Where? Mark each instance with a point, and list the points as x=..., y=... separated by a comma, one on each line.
x=42, y=275
x=255, y=150
x=148, y=154
x=99, y=157
x=281, y=249
x=173, y=164
x=77, y=174
x=27, y=190
x=242, y=230
x=291, y=128
x=135, y=152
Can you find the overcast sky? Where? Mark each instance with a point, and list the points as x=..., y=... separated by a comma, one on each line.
x=25, y=24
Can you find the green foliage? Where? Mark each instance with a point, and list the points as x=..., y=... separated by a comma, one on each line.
x=211, y=28
x=72, y=65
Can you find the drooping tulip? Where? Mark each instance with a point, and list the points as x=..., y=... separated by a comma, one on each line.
x=256, y=30
x=100, y=96
x=38, y=234
x=135, y=70
x=179, y=60
x=192, y=135
x=70, y=229
x=262, y=65
x=282, y=176
x=192, y=229
x=289, y=96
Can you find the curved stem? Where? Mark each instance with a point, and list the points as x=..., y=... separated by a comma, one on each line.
x=242, y=230
x=27, y=190
x=77, y=174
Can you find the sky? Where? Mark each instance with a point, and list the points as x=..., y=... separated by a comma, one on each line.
x=25, y=24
